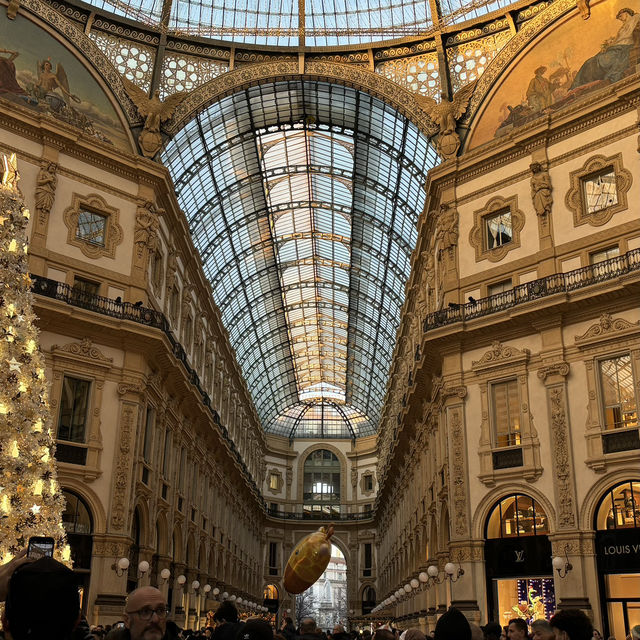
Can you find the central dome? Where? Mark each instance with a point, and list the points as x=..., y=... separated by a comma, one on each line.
x=294, y=23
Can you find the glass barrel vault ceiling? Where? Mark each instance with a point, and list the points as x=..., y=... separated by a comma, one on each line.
x=302, y=198
x=314, y=23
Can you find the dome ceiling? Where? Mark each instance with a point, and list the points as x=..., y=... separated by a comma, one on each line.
x=302, y=198
x=292, y=23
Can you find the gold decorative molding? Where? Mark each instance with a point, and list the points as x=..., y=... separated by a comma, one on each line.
x=113, y=233
x=358, y=77
x=575, y=198
x=478, y=233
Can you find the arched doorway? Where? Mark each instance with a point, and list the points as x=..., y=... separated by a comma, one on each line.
x=326, y=599
x=271, y=600
x=617, y=524
x=518, y=561
x=78, y=525
x=368, y=600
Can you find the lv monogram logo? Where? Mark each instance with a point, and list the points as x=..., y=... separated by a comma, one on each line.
x=519, y=555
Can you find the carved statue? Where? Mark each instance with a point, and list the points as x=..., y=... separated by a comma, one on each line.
x=541, y=189
x=155, y=111
x=585, y=10
x=12, y=9
x=445, y=114
x=145, y=234
x=46, y=189
x=447, y=233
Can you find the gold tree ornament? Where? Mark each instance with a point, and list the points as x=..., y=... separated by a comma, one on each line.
x=31, y=503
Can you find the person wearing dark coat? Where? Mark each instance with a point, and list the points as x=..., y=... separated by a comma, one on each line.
x=226, y=617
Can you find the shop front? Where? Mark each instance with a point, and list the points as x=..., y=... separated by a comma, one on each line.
x=618, y=558
x=518, y=562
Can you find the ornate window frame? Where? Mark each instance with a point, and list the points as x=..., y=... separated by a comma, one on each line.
x=277, y=474
x=113, y=231
x=498, y=364
x=82, y=360
x=607, y=338
x=575, y=200
x=478, y=234
x=363, y=490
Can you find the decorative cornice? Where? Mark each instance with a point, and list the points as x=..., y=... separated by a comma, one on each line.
x=84, y=349
x=606, y=327
x=500, y=354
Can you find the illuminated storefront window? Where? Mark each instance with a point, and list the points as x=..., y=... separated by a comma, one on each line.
x=518, y=561
x=617, y=524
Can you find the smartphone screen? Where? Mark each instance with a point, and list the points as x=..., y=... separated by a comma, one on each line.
x=39, y=547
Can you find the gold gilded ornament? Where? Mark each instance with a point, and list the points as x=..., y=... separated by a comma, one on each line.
x=308, y=560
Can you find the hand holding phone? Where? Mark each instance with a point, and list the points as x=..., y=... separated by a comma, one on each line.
x=40, y=547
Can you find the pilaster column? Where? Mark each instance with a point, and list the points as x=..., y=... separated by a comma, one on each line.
x=570, y=590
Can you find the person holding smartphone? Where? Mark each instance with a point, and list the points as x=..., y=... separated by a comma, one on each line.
x=41, y=599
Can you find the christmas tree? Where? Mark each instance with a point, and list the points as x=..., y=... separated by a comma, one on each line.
x=31, y=503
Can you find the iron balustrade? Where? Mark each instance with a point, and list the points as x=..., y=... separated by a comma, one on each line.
x=150, y=318
x=540, y=288
x=302, y=515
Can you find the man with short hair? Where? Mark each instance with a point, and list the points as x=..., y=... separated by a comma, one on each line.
x=571, y=624
x=541, y=630
x=42, y=600
x=145, y=614
x=517, y=630
x=226, y=618
x=339, y=633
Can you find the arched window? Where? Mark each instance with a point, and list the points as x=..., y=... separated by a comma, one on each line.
x=78, y=525
x=516, y=516
x=321, y=483
x=620, y=507
x=368, y=600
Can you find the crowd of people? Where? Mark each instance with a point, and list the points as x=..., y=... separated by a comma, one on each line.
x=42, y=602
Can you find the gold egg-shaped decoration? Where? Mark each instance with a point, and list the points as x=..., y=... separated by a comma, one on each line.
x=308, y=560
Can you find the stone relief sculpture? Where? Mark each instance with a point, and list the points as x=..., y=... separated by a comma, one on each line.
x=447, y=233
x=155, y=111
x=541, y=189
x=445, y=115
x=147, y=225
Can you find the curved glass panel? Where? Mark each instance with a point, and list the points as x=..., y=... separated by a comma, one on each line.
x=291, y=23
x=303, y=199
x=620, y=507
x=516, y=516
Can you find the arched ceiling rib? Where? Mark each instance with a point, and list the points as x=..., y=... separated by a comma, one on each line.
x=302, y=198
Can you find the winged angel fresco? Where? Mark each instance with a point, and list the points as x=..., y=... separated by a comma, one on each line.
x=155, y=111
x=445, y=114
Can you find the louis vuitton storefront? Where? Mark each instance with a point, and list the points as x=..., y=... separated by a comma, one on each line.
x=518, y=561
x=617, y=525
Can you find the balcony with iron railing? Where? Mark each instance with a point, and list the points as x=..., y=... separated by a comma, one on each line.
x=542, y=287
x=304, y=512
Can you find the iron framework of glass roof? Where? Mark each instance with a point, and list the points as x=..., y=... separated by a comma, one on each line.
x=292, y=23
x=302, y=198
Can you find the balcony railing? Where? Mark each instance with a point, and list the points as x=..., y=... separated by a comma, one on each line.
x=319, y=515
x=520, y=294
x=148, y=317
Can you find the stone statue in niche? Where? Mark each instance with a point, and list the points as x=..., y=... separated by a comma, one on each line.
x=46, y=189
x=147, y=225
x=447, y=234
x=541, y=189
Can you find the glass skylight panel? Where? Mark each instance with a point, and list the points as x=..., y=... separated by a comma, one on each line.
x=298, y=252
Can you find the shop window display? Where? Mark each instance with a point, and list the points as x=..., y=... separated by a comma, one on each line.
x=617, y=524
x=520, y=583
